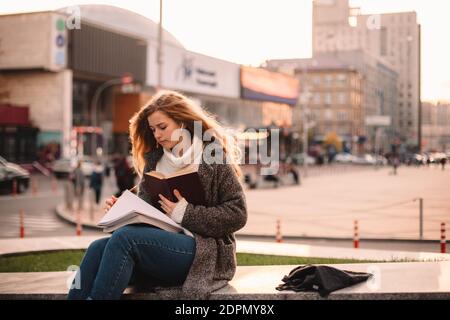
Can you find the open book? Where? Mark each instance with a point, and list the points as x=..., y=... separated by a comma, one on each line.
x=186, y=181
x=130, y=209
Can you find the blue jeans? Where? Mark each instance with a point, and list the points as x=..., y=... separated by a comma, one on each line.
x=133, y=252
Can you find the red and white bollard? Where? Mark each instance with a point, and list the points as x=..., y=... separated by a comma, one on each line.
x=443, y=240
x=22, y=224
x=356, y=235
x=79, y=228
x=279, y=237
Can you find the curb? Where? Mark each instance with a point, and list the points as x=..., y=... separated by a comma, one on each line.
x=337, y=239
x=61, y=213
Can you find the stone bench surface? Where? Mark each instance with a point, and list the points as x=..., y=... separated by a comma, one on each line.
x=403, y=280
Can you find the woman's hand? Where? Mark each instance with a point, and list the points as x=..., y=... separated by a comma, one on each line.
x=109, y=203
x=167, y=205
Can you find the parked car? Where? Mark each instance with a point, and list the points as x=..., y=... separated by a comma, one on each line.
x=436, y=157
x=364, y=159
x=63, y=167
x=344, y=157
x=298, y=159
x=8, y=173
x=416, y=159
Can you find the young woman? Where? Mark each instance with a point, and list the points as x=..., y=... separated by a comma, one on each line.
x=193, y=264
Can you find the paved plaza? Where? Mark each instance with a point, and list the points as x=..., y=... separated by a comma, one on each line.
x=384, y=204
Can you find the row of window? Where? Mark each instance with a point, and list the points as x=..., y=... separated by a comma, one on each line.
x=329, y=115
x=329, y=79
x=339, y=98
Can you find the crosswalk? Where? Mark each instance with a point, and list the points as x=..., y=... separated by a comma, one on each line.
x=35, y=225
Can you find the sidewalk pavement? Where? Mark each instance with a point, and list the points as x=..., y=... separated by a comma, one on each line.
x=11, y=246
x=327, y=206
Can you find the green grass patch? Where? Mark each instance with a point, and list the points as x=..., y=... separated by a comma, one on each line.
x=41, y=261
x=247, y=259
x=60, y=260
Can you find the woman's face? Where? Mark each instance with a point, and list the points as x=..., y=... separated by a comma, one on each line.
x=162, y=127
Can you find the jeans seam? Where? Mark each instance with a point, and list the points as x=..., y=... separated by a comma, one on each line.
x=116, y=279
x=163, y=247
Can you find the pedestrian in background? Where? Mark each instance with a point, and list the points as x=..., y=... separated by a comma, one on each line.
x=395, y=164
x=96, y=181
x=78, y=182
x=124, y=175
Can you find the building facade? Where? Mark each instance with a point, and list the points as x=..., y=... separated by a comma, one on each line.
x=436, y=126
x=348, y=88
x=71, y=76
x=392, y=38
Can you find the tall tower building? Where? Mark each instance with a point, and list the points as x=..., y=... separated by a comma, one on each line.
x=393, y=38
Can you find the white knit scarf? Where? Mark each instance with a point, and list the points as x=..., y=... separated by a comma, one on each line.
x=192, y=153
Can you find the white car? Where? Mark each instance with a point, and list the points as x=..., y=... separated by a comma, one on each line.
x=63, y=167
x=298, y=159
x=364, y=159
x=344, y=157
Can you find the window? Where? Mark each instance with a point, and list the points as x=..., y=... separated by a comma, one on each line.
x=316, y=98
x=342, y=116
x=341, y=78
x=327, y=98
x=342, y=98
x=316, y=79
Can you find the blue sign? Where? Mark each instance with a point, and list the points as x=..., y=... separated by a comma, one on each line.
x=60, y=58
x=60, y=41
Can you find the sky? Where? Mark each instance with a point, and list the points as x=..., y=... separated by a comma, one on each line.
x=249, y=32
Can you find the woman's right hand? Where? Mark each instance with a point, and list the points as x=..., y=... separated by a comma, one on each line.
x=109, y=203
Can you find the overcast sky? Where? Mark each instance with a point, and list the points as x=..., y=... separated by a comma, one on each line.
x=251, y=31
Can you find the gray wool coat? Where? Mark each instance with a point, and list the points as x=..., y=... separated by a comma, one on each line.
x=213, y=227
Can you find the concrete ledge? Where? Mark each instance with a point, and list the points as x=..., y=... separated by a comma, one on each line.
x=413, y=280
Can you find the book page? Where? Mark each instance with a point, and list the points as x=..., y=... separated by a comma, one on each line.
x=188, y=169
x=128, y=205
x=143, y=219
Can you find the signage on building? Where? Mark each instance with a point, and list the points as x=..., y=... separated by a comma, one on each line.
x=378, y=120
x=33, y=41
x=192, y=72
x=264, y=85
x=59, y=43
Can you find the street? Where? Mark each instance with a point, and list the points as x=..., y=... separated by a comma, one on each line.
x=325, y=205
x=384, y=204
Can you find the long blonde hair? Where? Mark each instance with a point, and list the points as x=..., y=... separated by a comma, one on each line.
x=183, y=111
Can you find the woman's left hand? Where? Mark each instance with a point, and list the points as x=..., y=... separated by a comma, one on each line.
x=167, y=205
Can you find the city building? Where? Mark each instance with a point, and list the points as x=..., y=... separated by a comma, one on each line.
x=356, y=94
x=392, y=38
x=83, y=71
x=436, y=126
x=334, y=97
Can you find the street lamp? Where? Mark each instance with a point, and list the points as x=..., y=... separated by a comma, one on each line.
x=160, y=40
x=305, y=98
x=125, y=79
